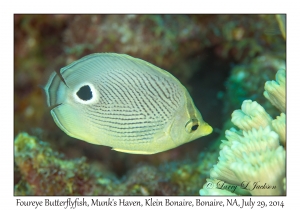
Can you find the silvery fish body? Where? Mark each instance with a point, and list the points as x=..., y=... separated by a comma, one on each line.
x=123, y=102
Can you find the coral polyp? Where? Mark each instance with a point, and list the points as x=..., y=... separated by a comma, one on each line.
x=253, y=158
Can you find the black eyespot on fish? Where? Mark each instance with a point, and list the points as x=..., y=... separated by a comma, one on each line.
x=85, y=93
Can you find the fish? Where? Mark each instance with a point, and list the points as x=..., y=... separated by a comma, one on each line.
x=123, y=102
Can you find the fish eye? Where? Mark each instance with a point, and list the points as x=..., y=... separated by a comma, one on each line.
x=195, y=127
x=191, y=125
x=85, y=93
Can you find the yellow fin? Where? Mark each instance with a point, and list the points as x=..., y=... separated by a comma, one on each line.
x=132, y=151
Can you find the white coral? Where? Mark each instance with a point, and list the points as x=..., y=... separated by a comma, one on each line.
x=252, y=115
x=264, y=172
x=255, y=157
x=235, y=151
x=279, y=127
x=252, y=158
x=275, y=91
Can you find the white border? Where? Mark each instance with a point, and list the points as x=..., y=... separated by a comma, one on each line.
x=154, y=6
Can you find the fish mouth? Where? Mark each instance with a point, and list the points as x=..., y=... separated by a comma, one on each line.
x=206, y=129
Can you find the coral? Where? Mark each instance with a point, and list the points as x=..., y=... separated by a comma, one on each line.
x=279, y=127
x=252, y=157
x=247, y=80
x=252, y=115
x=43, y=171
x=46, y=172
x=275, y=91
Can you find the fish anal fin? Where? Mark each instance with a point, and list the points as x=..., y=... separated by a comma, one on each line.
x=132, y=151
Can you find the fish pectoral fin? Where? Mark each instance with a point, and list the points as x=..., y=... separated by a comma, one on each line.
x=132, y=151
x=160, y=136
x=165, y=137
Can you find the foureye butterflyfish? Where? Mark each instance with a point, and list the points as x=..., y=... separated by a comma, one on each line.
x=123, y=102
